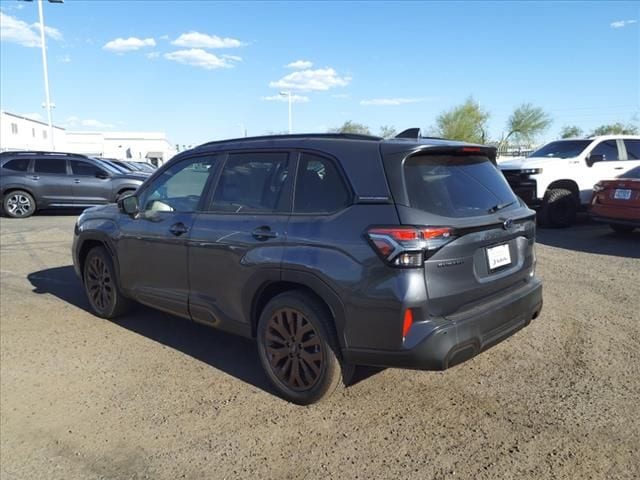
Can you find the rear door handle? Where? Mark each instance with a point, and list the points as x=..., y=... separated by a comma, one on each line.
x=178, y=229
x=264, y=233
x=35, y=177
x=76, y=181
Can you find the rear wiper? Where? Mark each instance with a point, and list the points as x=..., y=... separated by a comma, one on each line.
x=500, y=206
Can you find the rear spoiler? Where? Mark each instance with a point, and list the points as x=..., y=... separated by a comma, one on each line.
x=464, y=149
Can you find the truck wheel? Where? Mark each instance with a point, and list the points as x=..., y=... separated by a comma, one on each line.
x=18, y=204
x=298, y=348
x=559, y=208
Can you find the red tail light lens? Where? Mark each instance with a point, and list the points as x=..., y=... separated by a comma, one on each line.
x=408, y=246
x=407, y=322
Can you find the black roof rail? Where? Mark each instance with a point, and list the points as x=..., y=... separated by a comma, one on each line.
x=294, y=136
x=38, y=152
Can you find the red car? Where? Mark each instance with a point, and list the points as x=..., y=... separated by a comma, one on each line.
x=617, y=202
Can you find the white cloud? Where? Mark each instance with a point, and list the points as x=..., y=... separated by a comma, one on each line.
x=284, y=98
x=378, y=102
x=120, y=45
x=74, y=122
x=17, y=31
x=64, y=58
x=622, y=23
x=202, y=40
x=199, y=58
x=311, y=80
x=300, y=64
x=233, y=58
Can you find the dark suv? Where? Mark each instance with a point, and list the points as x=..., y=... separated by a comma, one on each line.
x=330, y=250
x=30, y=181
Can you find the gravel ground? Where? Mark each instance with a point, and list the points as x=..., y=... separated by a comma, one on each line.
x=154, y=396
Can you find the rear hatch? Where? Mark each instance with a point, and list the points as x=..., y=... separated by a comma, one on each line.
x=489, y=251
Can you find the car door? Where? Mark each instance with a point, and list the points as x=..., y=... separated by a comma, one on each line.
x=51, y=181
x=91, y=184
x=237, y=244
x=609, y=167
x=152, y=248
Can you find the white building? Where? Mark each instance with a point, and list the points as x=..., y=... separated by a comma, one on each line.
x=22, y=133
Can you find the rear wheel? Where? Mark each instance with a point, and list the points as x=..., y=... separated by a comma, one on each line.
x=559, y=208
x=298, y=348
x=621, y=228
x=101, y=285
x=19, y=204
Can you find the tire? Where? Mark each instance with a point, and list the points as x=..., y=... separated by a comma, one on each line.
x=298, y=348
x=621, y=228
x=559, y=208
x=18, y=204
x=101, y=285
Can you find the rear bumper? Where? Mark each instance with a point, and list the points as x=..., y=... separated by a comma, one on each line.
x=438, y=345
x=616, y=221
x=620, y=215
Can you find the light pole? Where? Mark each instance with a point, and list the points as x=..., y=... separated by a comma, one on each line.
x=243, y=128
x=288, y=94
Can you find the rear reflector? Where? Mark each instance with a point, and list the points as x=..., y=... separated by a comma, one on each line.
x=408, y=321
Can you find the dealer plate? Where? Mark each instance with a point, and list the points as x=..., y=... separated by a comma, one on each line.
x=622, y=194
x=498, y=256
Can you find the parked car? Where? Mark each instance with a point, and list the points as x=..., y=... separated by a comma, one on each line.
x=30, y=181
x=330, y=250
x=617, y=202
x=558, y=178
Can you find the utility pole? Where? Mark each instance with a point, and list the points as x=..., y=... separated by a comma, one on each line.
x=46, y=75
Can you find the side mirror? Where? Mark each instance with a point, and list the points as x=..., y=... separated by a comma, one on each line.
x=129, y=205
x=593, y=158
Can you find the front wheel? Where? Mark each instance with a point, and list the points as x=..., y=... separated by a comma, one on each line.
x=100, y=283
x=19, y=204
x=298, y=348
x=559, y=208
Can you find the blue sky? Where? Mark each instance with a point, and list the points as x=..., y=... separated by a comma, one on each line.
x=196, y=70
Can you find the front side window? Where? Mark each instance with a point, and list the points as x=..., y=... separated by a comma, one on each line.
x=178, y=188
x=253, y=182
x=17, y=165
x=608, y=150
x=633, y=149
x=50, y=165
x=86, y=169
x=319, y=186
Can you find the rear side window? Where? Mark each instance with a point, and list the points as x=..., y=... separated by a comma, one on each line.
x=633, y=149
x=17, y=164
x=455, y=186
x=608, y=149
x=253, y=182
x=50, y=165
x=319, y=186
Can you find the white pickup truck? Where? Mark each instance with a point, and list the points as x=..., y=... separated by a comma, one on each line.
x=558, y=178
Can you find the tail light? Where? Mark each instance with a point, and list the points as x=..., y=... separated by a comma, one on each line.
x=408, y=246
x=598, y=187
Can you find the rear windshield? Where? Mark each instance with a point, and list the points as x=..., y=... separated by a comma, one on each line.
x=456, y=186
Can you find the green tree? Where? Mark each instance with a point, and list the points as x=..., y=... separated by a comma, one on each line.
x=352, y=127
x=570, y=131
x=526, y=122
x=387, y=131
x=617, y=128
x=466, y=122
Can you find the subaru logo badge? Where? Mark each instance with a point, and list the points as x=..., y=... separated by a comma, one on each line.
x=508, y=223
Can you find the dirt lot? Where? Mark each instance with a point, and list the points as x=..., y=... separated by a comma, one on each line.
x=153, y=396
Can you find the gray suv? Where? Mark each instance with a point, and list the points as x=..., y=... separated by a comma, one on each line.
x=30, y=181
x=330, y=250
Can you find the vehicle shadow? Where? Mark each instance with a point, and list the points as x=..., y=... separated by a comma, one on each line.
x=592, y=237
x=231, y=354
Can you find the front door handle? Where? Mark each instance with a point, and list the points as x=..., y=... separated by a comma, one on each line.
x=178, y=229
x=76, y=181
x=264, y=233
x=35, y=177
x=618, y=168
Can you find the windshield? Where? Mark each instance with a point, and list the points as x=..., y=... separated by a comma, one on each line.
x=134, y=166
x=562, y=149
x=456, y=186
x=108, y=166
